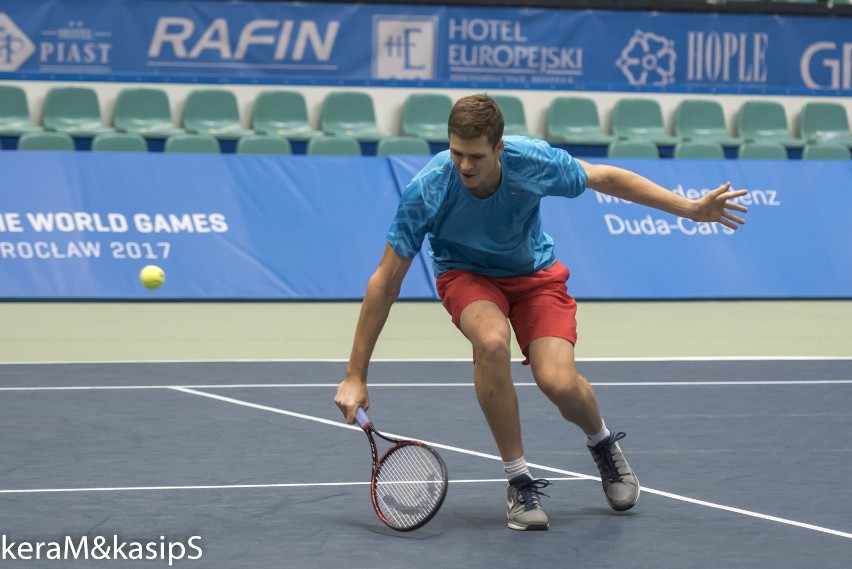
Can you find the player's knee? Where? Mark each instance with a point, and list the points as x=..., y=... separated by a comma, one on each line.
x=493, y=347
x=564, y=385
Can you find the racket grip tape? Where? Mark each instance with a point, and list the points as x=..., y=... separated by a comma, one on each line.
x=361, y=418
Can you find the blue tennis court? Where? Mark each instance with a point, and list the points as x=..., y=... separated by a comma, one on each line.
x=249, y=465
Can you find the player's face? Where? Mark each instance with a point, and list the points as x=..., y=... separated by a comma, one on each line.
x=478, y=164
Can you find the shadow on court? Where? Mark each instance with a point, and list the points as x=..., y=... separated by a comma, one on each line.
x=249, y=465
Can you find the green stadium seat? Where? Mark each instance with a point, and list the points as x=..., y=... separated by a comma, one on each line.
x=213, y=112
x=826, y=151
x=263, y=144
x=825, y=122
x=282, y=113
x=192, y=143
x=701, y=120
x=350, y=113
x=15, y=112
x=765, y=121
x=514, y=117
x=46, y=140
x=640, y=119
x=762, y=150
x=632, y=149
x=331, y=145
x=144, y=111
x=392, y=145
x=119, y=142
x=699, y=150
x=73, y=110
x=425, y=115
x=575, y=120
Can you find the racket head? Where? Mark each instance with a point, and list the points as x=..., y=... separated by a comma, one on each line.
x=409, y=485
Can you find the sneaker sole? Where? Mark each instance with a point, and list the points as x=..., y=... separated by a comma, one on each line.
x=531, y=527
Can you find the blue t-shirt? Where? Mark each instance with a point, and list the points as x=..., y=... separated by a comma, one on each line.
x=498, y=236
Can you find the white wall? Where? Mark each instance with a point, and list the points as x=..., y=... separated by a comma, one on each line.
x=388, y=101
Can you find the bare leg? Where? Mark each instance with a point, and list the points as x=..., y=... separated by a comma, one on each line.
x=552, y=361
x=485, y=325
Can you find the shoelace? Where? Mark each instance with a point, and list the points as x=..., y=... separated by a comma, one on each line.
x=606, y=456
x=531, y=491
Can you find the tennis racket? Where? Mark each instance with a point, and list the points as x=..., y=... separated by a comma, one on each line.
x=409, y=482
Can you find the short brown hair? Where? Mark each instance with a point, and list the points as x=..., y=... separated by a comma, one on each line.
x=475, y=116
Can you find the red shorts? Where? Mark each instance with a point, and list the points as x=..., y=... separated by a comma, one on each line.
x=537, y=305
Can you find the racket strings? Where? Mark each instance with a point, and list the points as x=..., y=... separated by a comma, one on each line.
x=410, y=485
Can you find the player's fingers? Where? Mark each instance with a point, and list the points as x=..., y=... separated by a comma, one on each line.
x=348, y=413
x=721, y=189
x=736, y=206
x=729, y=197
x=728, y=224
x=732, y=217
x=351, y=411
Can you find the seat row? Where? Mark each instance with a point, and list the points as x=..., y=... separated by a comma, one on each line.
x=321, y=145
x=571, y=120
x=398, y=145
x=757, y=150
x=576, y=119
x=146, y=113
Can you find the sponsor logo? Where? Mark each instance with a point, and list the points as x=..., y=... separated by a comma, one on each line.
x=257, y=44
x=727, y=57
x=499, y=50
x=75, y=47
x=827, y=65
x=15, y=46
x=648, y=59
x=404, y=47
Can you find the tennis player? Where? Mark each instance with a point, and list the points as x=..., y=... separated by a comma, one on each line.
x=479, y=204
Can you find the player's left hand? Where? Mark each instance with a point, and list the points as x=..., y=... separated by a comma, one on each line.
x=717, y=206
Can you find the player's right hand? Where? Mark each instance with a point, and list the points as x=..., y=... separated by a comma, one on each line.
x=351, y=394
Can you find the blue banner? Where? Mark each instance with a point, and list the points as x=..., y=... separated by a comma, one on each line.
x=795, y=243
x=82, y=226
x=423, y=46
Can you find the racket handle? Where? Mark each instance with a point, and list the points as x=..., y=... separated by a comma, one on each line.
x=361, y=418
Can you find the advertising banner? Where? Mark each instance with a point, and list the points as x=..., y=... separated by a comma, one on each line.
x=795, y=242
x=348, y=44
x=82, y=225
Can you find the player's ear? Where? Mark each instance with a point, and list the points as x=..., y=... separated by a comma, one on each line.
x=500, y=146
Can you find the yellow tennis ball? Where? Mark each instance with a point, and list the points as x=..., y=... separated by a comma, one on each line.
x=152, y=277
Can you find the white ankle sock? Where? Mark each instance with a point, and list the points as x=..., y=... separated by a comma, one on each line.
x=516, y=468
x=592, y=440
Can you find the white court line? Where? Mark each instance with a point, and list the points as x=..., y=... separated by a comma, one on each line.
x=165, y=488
x=232, y=486
x=442, y=360
x=425, y=384
x=532, y=465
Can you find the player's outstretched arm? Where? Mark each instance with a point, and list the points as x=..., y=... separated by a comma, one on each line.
x=718, y=205
x=382, y=291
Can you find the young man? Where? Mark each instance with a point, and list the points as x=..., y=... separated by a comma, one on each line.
x=479, y=205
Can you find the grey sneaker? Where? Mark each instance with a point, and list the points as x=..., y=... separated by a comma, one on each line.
x=525, y=511
x=620, y=485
